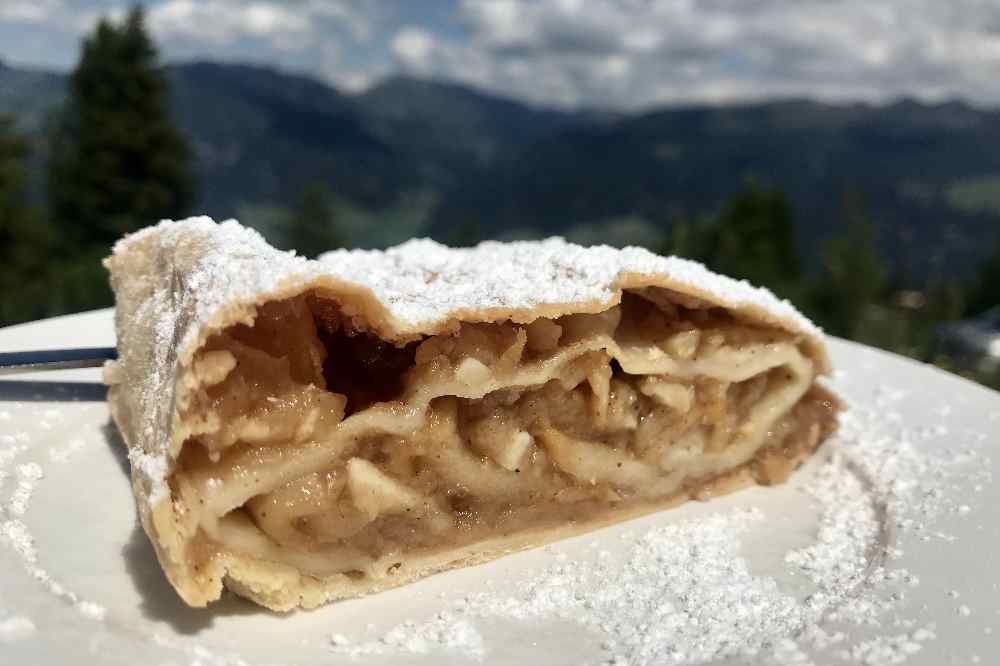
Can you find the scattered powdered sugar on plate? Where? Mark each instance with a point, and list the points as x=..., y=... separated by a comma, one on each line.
x=13, y=530
x=15, y=628
x=28, y=475
x=61, y=454
x=199, y=654
x=19, y=538
x=687, y=594
x=446, y=630
x=11, y=446
x=847, y=539
x=894, y=649
x=92, y=610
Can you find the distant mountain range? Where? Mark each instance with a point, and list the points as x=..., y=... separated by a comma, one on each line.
x=420, y=157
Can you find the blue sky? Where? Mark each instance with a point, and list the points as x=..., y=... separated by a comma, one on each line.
x=623, y=54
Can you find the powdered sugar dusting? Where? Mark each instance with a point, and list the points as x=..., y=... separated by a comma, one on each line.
x=885, y=650
x=154, y=468
x=91, y=609
x=27, y=476
x=14, y=531
x=16, y=628
x=446, y=631
x=11, y=446
x=423, y=281
x=199, y=655
x=194, y=269
x=848, y=531
x=61, y=454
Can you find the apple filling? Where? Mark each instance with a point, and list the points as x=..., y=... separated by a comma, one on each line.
x=309, y=441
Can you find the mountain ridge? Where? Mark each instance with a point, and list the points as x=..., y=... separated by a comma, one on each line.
x=509, y=168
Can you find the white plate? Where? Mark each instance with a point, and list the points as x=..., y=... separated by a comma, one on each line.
x=96, y=594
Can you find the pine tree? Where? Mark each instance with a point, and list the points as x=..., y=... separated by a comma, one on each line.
x=117, y=160
x=24, y=238
x=312, y=227
x=14, y=152
x=692, y=238
x=984, y=292
x=466, y=233
x=853, y=277
x=755, y=240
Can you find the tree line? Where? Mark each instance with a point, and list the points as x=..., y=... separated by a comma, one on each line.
x=116, y=161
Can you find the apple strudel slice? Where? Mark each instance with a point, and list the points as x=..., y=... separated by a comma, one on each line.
x=301, y=431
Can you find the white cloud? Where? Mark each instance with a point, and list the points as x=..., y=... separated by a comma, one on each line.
x=613, y=53
x=356, y=81
x=414, y=47
x=356, y=17
x=311, y=36
x=262, y=19
x=27, y=11
x=635, y=53
x=225, y=21
x=56, y=15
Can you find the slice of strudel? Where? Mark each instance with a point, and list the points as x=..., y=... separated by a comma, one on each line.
x=301, y=431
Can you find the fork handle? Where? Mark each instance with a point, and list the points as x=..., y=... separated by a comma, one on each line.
x=55, y=359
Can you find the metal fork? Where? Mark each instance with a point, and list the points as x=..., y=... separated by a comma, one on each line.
x=55, y=359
